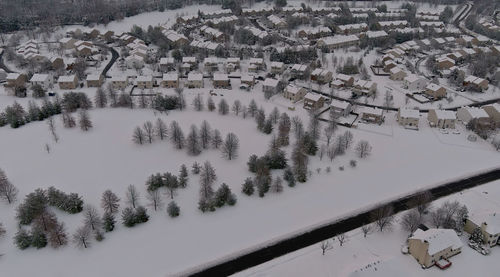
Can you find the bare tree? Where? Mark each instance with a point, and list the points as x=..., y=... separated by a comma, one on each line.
x=45, y=221
x=422, y=202
x=58, y=236
x=342, y=238
x=383, y=217
x=193, y=142
x=325, y=246
x=8, y=191
x=138, y=137
x=230, y=146
x=149, y=131
x=92, y=218
x=155, y=200
x=363, y=149
x=237, y=107
x=161, y=129
x=328, y=134
x=109, y=202
x=205, y=134
x=437, y=218
x=82, y=237
x=85, y=122
x=176, y=135
x=198, y=102
x=132, y=196
x=216, y=139
x=207, y=178
x=366, y=229
x=101, y=101
x=68, y=120
x=223, y=107
x=411, y=220
x=52, y=128
x=2, y=230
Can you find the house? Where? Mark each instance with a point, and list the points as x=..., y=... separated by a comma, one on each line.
x=396, y=24
x=347, y=80
x=194, y=80
x=299, y=71
x=16, y=80
x=211, y=64
x=414, y=82
x=430, y=246
x=167, y=64
x=408, y=118
x=94, y=34
x=189, y=62
x=277, y=22
x=456, y=56
x=270, y=85
x=476, y=83
x=336, y=42
x=213, y=34
x=67, y=82
x=493, y=110
x=388, y=65
x=363, y=87
x=119, y=82
x=466, y=114
x=134, y=62
x=321, y=76
x=340, y=108
x=145, y=81
x=3, y=74
x=43, y=80
x=316, y=33
x=294, y=93
x=372, y=115
x=57, y=63
x=397, y=74
x=435, y=91
x=95, y=80
x=67, y=43
x=221, y=80
x=351, y=28
x=489, y=224
x=256, y=64
x=277, y=67
x=170, y=80
x=441, y=119
x=466, y=40
x=108, y=36
x=444, y=63
x=249, y=80
x=313, y=101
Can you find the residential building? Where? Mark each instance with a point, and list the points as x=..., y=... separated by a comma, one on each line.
x=256, y=64
x=313, y=101
x=43, y=80
x=466, y=114
x=431, y=246
x=16, y=80
x=294, y=93
x=170, y=80
x=321, y=76
x=408, y=118
x=397, y=74
x=336, y=42
x=351, y=28
x=277, y=67
x=67, y=82
x=372, y=115
x=493, y=110
x=119, y=82
x=145, y=82
x=95, y=80
x=363, y=87
x=167, y=64
x=441, y=119
x=221, y=80
x=340, y=108
x=435, y=91
x=476, y=83
x=270, y=86
x=299, y=71
x=444, y=63
x=194, y=80
x=414, y=82
x=347, y=80
x=249, y=80
x=489, y=224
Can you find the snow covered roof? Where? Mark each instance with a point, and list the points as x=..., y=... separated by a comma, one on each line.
x=431, y=24
x=233, y=60
x=210, y=60
x=120, y=78
x=438, y=239
x=343, y=77
x=393, y=23
x=374, y=111
x=170, y=77
x=256, y=61
x=413, y=78
x=339, y=104
x=220, y=77
x=433, y=87
x=313, y=96
x=39, y=77
x=409, y=113
x=247, y=78
x=189, y=59
x=362, y=10
x=333, y=40
x=476, y=112
x=443, y=114
x=66, y=79
x=396, y=70
x=376, y=34
x=277, y=65
x=193, y=76
x=276, y=20
x=299, y=67
x=93, y=77
x=293, y=89
x=491, y=218
x=167, y=61
x=352, y=26
x=145, y=78
x=13, y=76
x=270, y=82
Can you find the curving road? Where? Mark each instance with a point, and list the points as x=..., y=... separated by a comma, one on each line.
x=2, y=64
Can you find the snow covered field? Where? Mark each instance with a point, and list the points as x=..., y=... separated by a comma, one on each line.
x=89, y=163
x=379, y=254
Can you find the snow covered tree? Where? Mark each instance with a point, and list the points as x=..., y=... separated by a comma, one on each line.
x=411, y=220
x=2, y=230
x=289, y=177
x=155, y=200
x=38, y=238
x=363, y=149
x=84, y=121
x=248, y=187
x=193, y=142
x=68, y=120
x=236, y=107
x=207, y=178
x=252, y=108
x=22, y=239
x=161, y=129
x=176, y=135
x=196, y=168
x=8, y=191
x=325, y=246
x=477, y=235
x=284, y=127
x=198, y=102
x=52, y=128
x=268, y=126
x=328, y=131
x=224, y=196
x=216, y=139
x=138, y=136
x=274, y=115
x=132, y=196
x=366, y=229
x=45, y=221
x=342, y=238
x=263, y=177
x=205, y=134
x=58, y=236
x=101, y=101
x=82, y=237
x=223, y=107
x=300, y=161
x=277, y=185
x=108, y=222
x=33, y=204
x=110, y=202
x=171, y=183
x=260, y=119
x=173, y=209
x=148, y=131
x=183, y=176
x=314, y=128
x=210, y=104
x=252, y=163
x=230, y=146
x=91, y=217
x=383, y=217
x=298, y=127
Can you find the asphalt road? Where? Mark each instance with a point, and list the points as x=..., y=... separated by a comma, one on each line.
x=2, y=64
x=318, y=234
x=114, y=57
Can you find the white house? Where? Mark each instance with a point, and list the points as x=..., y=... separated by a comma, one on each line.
x=43, y=80
x=414, y=82
x=466, y=114
x=441, y=119
x=270, y=85
x=408, y=118
x=431, y=246
x=194, y=80
x=340, y=108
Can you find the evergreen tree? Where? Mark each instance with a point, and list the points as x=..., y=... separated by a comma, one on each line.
x=173, y=210
x=22, y=239
x=108, y=222
x=38, y=238
x=260, y=119
x=252, y=163
x=300, y=161
x=223, y=196
x=216, y=139
x=284, y=127
x=193, y=142
x=277, y=185
x=477, y=236
x=128, y=217
x=210, y=104
x=195, y=168
x=141, y=215
x=252, y=108
x=289, y=177
x=248, y=187
x=223, y=107
x=183, y=176
x=268, y=126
